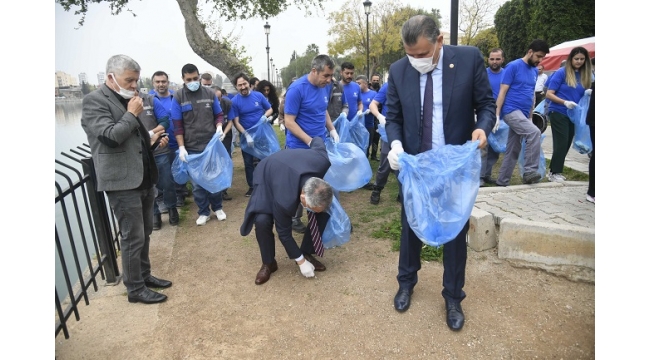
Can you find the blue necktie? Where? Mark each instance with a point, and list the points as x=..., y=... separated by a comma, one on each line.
x=427, y=114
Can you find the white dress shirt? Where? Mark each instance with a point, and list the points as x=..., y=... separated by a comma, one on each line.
x=437, y=128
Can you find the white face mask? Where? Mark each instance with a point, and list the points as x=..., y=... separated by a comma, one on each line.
x=127, y=94
x=423, y=65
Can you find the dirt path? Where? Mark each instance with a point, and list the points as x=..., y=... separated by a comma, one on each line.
x=215, y=310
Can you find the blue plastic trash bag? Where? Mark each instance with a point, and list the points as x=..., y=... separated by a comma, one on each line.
x=439, y=188
x=542, y=159
x=337, y=230
x=179, y=171
x=342, y=126
x=578, y=116
x=499, y=140
x=541, y=107
x=350, y=167
x=358, y=133
x=265, y=142
x=381, y=129
x=212, y=169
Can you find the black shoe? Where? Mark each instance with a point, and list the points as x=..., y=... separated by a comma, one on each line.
x=374, y=197
x=225, y=196
x=374, y=158
x=298, y=226
x=455, y=316
x=157, y=222
x=162, y=207
x=403, y=300
x=249, y=192
x=488, y=180
x=369, y=186
x=532, y=177
x=147, y=296
x=180, y=201
x=154, y=282
x=173, y=216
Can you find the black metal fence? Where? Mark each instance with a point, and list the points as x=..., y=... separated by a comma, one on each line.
x=85, y=236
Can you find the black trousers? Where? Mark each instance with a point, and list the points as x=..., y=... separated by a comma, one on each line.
x=266, y=238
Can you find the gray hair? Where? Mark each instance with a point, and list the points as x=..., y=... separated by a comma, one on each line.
x=419, y=25
x=362, y=77
x=117, y=64
x=318, y=193
x=321, y=61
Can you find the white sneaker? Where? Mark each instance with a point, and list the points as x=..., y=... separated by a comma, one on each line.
x=202, y=220
x=555, y=177
x=591, y=199
x=220, y=215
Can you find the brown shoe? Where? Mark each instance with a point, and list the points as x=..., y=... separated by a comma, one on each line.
x=318, y=266
x=265, y=272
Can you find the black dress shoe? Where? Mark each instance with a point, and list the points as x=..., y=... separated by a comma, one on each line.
x=298, y=226
x=265, y=272
x=225, y=196
x=147, y=296
x=403, y=300
x=173, y=216
x=455, y=316
x=154, y=282
x=157, y=222
x=318, y=266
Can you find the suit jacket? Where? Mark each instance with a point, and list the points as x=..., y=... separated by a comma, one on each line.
x=277, y=182
x=465, y=91
x=115, y=141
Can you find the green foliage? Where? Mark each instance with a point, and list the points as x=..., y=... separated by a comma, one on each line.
x=485, y=41
x=510, y=23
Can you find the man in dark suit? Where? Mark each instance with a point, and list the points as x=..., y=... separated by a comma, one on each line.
x=281, y=182
x=450, y=85
x=126, y=170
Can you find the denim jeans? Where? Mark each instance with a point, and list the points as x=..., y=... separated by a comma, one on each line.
x=133, y=210
x=165, y=183
x=205, y=199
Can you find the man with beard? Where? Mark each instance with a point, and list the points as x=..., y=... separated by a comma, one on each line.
x=517, y=100
x=375, y=82
x=351, y=90
x=489, y=157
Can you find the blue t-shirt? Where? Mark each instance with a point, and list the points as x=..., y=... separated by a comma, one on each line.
x=495, y=81
x=166, y=103
x=249, y=108
x=558, y=83
x=366, y=99
x=308, y=103
x=352, y=93
x=381, y=98
x=521, y=78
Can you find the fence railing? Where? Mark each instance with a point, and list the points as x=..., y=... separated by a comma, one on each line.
x=85, y=236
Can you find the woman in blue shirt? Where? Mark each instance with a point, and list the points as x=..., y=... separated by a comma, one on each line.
x=565, y=89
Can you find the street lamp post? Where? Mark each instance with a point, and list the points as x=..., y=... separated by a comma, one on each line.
x=267, y=31
x=366, y=7
x=271, y=76
x=278, y=80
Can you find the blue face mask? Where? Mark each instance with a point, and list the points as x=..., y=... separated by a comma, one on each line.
x=193, y=86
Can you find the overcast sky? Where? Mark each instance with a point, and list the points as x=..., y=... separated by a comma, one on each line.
x=155, y=38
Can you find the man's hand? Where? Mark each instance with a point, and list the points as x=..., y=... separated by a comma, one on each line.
x=156, y=135
x=382, y=119
x=570, y=104
x=393, y=154
x=359, y=113
x=249, y=139
x=307, y=268
x=265, y=119
x=496, y=126
x=479, y=135
x=135, y=106
x=335, y=136
x=182, y=153
x=588, y=92
x=282, y=127
x=219, y=131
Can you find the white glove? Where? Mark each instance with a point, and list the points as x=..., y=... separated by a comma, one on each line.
x=343, y=113
x=570, y=104
x=282, y=127
x=588, y=92
x=307, y=268
x=382, y=119
x=222, y=137
x=265, y=119
x=182, y=153
x=219, y=131
x=496, y=126
x=249, y=139
x=393, y=154
x=359, y=113
x=366, y=112
x=335, y=136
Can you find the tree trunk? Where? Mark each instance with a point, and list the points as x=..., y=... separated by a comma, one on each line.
x=213, y=52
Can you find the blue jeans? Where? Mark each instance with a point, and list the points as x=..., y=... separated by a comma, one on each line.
x=165, y=185
x=248, y=168
x=133, y=210
x=205, y=199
